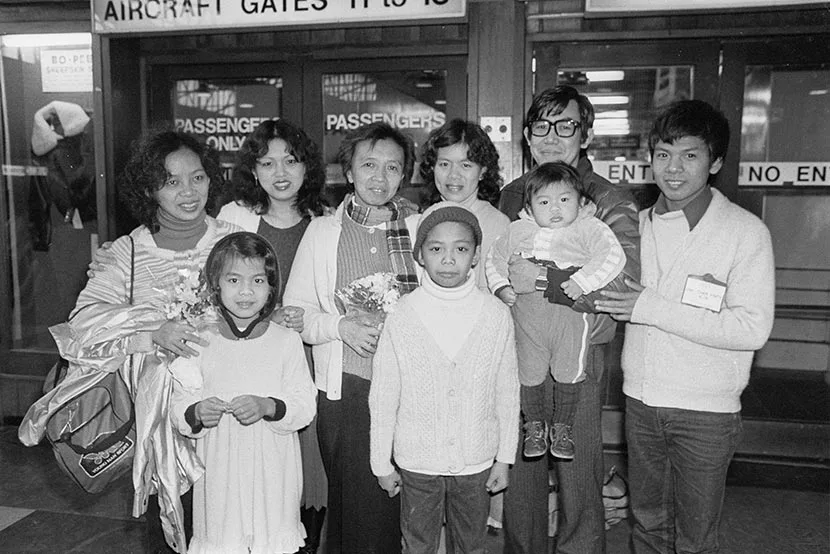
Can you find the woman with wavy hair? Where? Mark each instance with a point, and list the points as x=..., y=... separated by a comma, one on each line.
x=169, y=183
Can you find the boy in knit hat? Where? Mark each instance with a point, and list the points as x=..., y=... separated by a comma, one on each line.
x=706, y=303
x=444, y=400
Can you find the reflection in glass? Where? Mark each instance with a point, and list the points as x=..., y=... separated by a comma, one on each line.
x=49, y=200
x=413, y=101
x=626, y=101
x=223, y=111
x=786, y=115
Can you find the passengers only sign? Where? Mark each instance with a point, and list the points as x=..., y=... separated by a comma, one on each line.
x=130, y=16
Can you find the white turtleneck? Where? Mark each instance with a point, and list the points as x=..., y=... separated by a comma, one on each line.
x=449, y=314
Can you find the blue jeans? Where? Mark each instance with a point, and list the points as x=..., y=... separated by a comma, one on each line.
x=427, y=499
x=677, y=463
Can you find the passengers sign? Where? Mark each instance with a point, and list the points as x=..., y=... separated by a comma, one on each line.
x=131, y=16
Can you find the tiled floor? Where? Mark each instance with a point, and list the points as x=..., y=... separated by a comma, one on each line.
x=41, y=511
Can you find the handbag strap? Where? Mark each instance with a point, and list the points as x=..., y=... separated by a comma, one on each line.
x=132, y=267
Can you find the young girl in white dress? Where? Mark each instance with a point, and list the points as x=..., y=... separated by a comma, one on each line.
x=243, y=399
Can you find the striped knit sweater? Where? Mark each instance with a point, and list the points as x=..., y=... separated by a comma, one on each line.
x=587, y=243
x=156, y=273
x=440, y=415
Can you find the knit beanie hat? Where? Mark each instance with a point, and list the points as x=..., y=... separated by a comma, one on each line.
x=441, y=213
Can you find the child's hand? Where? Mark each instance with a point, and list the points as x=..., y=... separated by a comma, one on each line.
x=248, y=409
x=210, y=410
x=391, y=483
x=497, y=481
x=174, y=336
x=571, y=289
x=100, y=260
x=290, y=317
x=507, y=295
x=360, y=334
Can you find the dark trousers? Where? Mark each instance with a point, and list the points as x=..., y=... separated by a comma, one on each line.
x=582, y=515
x=156, y=544
x=677, y=463
x=361, y=517
x=427, y=499
x=536, y=406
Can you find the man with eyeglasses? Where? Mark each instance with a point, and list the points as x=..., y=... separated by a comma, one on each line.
x=558, y=128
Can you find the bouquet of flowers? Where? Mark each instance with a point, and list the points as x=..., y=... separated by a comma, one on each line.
x=188, y=299
x=372, y=296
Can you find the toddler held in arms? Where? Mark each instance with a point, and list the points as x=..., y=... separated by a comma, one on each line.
x=556, y=227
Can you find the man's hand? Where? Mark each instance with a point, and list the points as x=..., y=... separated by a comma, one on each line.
x=620, y=304
x=174, y=336
x=391, y=483
x=248, y=408
x=497, y=481
x=210, y=410
x=523, y=274
x=507, y=295
x=571, y=289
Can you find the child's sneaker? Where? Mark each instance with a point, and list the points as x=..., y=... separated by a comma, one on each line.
x=561, y=441
x=536, y=439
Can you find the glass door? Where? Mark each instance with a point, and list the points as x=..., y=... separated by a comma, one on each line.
x=628, y=84
x=415, y=95
x=780, y=160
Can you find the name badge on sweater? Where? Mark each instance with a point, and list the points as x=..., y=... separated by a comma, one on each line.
x=704, y=291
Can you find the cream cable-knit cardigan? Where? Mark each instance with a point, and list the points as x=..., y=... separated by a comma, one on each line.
x=441, y=416
x=681, y=356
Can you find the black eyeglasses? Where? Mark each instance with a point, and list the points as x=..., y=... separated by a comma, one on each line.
x=564, y=128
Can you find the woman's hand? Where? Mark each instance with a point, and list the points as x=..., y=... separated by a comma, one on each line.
x=248, y=409
x=290, y=317
x=391, y=483
x=102, y=259
x=497, y=481
x=360, y=333
x=173, y=336
x=210, y=410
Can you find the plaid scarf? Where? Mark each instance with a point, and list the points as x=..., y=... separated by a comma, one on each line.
x=397, y=239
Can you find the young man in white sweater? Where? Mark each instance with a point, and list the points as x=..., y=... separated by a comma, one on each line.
x=444, y=399
x=706, y=303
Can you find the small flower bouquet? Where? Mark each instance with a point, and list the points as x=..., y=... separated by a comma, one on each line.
x=189, y=299
x=373, y=296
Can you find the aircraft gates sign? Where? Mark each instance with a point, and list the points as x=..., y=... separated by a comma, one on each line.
x=132, y=16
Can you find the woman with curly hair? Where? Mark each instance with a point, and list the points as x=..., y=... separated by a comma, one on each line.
x=168, y=184
x=277, y=186
x=460, y=164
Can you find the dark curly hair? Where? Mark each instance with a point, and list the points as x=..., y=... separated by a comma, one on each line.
x=243, y=246
x=246, y=190
x=480, y=149
x=375, y=132
x=145, y=172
